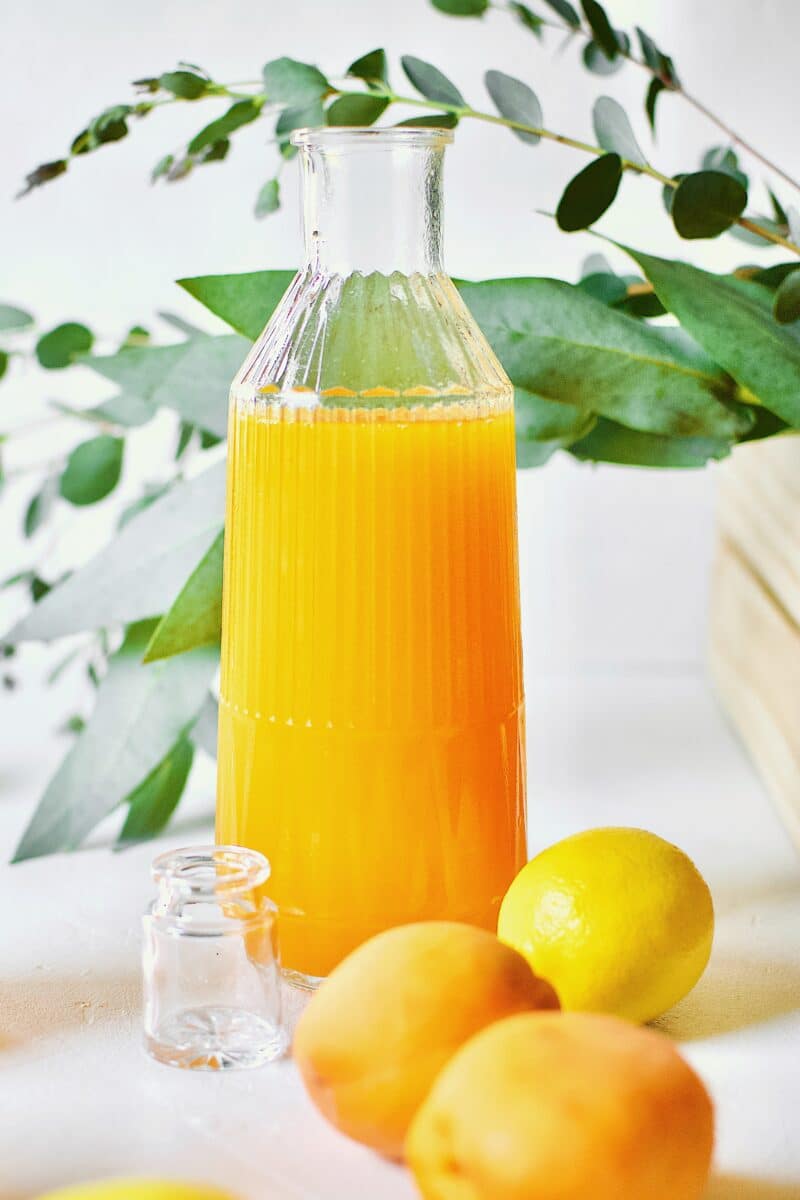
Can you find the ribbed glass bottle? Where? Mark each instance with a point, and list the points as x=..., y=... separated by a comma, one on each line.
x=371, y=718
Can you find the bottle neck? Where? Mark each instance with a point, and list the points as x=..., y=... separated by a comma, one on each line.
x=372, y=200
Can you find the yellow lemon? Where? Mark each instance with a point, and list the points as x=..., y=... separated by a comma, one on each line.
x=617, y=920
x=138, y=1189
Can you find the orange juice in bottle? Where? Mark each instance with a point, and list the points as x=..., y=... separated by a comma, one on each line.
x=371, y=715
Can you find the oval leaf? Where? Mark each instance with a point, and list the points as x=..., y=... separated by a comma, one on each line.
x=14, y=318
x=528, y=18
x=706, y=203
x=565, y=11
x=462, y=8
x=372, y=67
x=431, y=121
x=93, y=470
x=515, y=101
x=613, y=130
x=183, y=84
x=287, y=81
x=356, y=108
x=601, y=27
x=239, y=114
x=614, y=443
x=654, y=90
x=62, y=345
x=787, y=299
x=597, y=61
x=268, y=199
x=431, y=83
x=590, y=193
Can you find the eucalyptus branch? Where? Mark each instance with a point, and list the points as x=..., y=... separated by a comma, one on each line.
x=673, y=84
x=637, y=168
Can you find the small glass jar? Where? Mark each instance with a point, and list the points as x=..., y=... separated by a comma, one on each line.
x=212, y=994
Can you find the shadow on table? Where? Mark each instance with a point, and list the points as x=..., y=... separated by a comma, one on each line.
x=739, y=1187
x=735, y=992
x=42, y=1004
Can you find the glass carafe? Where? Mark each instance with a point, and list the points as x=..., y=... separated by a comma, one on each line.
x=371, y=737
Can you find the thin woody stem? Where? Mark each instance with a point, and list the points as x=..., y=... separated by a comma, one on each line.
x=674, y=86
x=587, y=148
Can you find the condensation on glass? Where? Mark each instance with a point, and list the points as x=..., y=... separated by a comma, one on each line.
x=371, y=713
x=212, y=991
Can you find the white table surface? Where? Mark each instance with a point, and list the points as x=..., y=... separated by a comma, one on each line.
x=80, y=1100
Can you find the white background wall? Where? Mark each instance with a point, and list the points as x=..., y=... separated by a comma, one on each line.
x=614, y=560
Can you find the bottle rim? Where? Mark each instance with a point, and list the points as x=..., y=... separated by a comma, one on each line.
x=427, y=137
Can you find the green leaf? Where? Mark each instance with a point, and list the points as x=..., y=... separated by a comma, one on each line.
x=779, y=212
x=528, y=18
x=371, y=67
x=613, y=130
x=140, y=713
x=462, y=8
x=204, y=730
x=245, y=302
x=561, y=344
x=565, y=11
x=192, y=378
x=515, y=101
x=239, y=114
x=773, y=277
x=93, y=470
x=657, y=61
x=707, y=203
x=431, y=121
x=299, y=118
x=723, y=158
x=750, y=238
x=3, y=363
x=216, y=152
x=162, y=167
x=544, y=426
x=590, y=193
x=356, y=108
x=654, y=90
x=268, y=199
x=186, y=85
x=732, y=319
x=153, y=802
x=787, y=299
x=606, y=287
x=430, y=82
x=195, y=618
x=668, y=192
x=43, y=174
x=40, y=507
x=612, y=443
x=14, y=318
x=109, y=126
x=597, y=61
x=296, y=84
x=141, y=571
x=62, y=345
x=604, y=34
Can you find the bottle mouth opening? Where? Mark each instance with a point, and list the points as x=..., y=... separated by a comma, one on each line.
x=341, y=136
x=207, y=870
